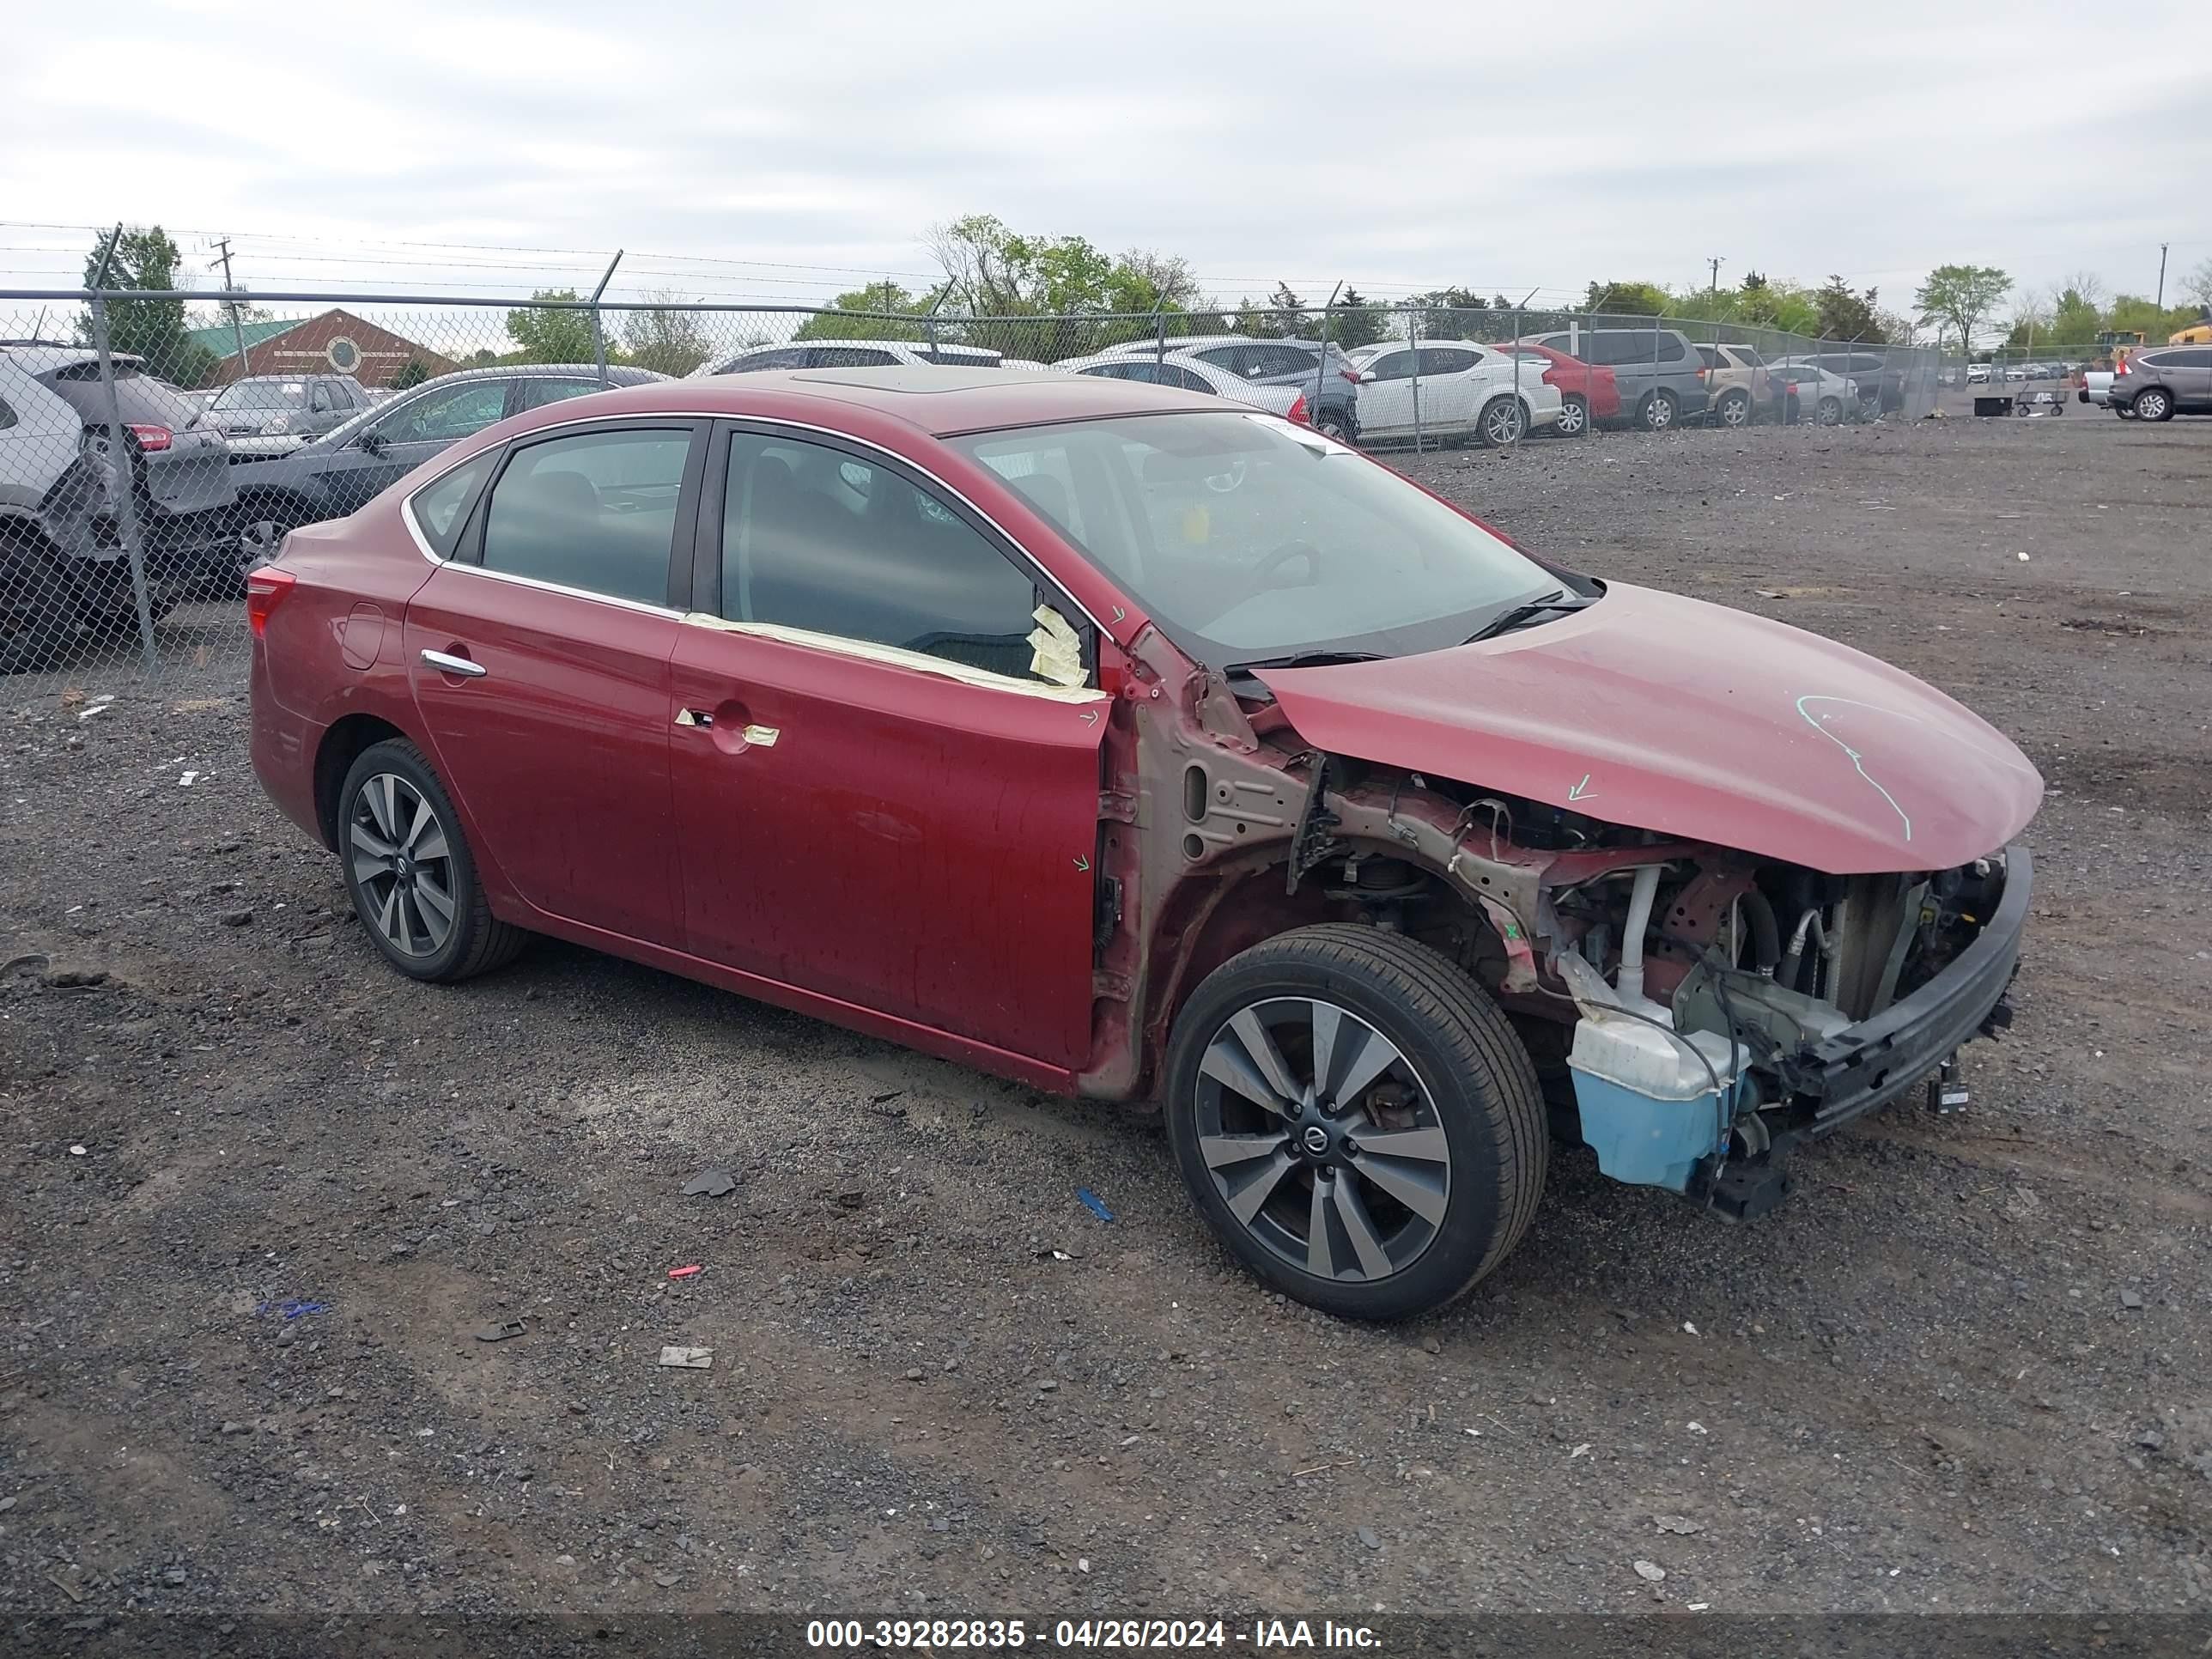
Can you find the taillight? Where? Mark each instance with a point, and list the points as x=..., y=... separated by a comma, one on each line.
x=150, y=438
x=1703, y=373
x=266, y=588
x=1298, y=411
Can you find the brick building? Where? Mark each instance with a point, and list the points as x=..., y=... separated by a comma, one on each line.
x=334, y=343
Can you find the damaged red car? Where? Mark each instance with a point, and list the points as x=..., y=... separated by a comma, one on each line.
x=1098, y=736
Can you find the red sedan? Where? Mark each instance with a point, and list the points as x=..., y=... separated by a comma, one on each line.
x=1100, y=737
x=1586, y=393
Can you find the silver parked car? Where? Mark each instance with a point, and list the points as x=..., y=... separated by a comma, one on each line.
x=1191, y=374
x=273, y=414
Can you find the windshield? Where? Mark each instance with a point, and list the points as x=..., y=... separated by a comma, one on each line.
x=263, y=394
x=1248, y=539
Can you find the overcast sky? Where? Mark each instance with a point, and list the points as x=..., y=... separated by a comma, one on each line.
x=1503, y=146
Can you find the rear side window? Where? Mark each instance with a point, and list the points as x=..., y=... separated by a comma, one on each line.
x=595, y=511
x=7, y=416
x=535, y=390
x=1447, y=360
x=1393, y=365
x=783, y=357
x=1670, y=349
x=1711, y=356
x=446, y=415
x=814, y=538
x=441, y=508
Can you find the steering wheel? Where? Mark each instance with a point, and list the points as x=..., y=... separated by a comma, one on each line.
x=1281, y=557
x=1221, y=482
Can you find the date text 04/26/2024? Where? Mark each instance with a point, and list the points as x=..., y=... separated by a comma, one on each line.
x=1275, y=1635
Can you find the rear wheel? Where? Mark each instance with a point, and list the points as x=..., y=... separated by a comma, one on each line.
x=1831, y=411
x=38, y=614
x=1355, y=1117
x=1658, y=412
x=410, y=871
x=2155, y=404
x=1733, y=408
x=1502, y=421
x=1574, y=417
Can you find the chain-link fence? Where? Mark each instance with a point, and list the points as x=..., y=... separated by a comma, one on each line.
x=153, y=447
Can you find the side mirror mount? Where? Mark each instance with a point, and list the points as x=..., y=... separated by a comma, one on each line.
x=1365, y=376
x=371, y=441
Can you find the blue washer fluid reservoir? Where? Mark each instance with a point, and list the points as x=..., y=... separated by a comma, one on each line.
x=1649, y=1107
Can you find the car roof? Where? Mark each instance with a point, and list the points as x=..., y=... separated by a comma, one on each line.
x=39, y=359
x=938, y=401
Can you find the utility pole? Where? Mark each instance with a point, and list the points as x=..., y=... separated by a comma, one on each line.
x=2161, y=275
x=1714, y=262
x=237, y=327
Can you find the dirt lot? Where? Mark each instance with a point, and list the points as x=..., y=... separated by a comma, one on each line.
x=1970, y=1366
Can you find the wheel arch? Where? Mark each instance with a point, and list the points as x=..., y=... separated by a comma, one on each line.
x=340, y=745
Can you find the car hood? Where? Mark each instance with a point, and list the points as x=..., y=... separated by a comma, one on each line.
x=1692, y=720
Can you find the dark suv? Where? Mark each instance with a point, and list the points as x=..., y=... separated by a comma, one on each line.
x=2157, y=386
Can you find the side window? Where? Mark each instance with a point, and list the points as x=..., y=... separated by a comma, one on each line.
x=1285, y=360
x=7, y=416
x=1393, y=365
x=1118, y=371
x=1222, y=357
x=322, y=404
x=1670, y=348
x=596, y=511
x=814, y=538
x=848, y=357
x=786, y=357
x=441, y=508
x=1175, y=375
x=535, y=390
x=1710, y=355
x=2194, y=358
x=446, y=415
x=1446, y=359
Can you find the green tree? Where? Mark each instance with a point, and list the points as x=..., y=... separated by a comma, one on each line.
x=412, y=373
x=1629, y=299
x=1845, y=315
x=1354, y=322
x=1959, y=297
x=859, y=316
x=155, y=330
x=665, y=339
x=543, y=335
x=2132, y=311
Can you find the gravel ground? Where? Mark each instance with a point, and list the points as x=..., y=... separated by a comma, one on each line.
x=1969, y=1366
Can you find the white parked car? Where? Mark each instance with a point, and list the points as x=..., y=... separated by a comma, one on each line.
x=1188, y=373
x=1977, y=373
x=851, y=354
x=1465, y=388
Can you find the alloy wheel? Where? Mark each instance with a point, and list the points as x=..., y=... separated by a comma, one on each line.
x=403, y=863
x=2152, y=405
x=1659, y=414
x=1501, y=423
x=1736, y=409
x=1321, y=1140
x=1572, y=415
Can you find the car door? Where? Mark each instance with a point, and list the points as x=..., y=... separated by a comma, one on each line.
x=1386, y=402
x=877, y=803
x=539, y=660
x=2189, y=373
x=390, y=447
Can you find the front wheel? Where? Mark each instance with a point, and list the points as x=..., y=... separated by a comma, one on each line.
x=1574, y=418
x=1658, y=412
x=409, y=872
x=1355, y=1116
x=1501, y=423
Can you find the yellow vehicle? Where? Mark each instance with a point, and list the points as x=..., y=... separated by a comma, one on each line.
x=2195, y=334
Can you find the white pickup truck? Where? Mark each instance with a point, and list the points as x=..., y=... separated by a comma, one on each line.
x=2096, y=388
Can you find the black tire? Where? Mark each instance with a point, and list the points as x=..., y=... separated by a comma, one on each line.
x=2154, y=404
x=1657, y=412
x=2124, y=411
x=1831, y=411
x=40, y=624
x=477, y=942
x=1502, y=422
x=1574, y=418
x=1733, y=407
x=1467, y=1068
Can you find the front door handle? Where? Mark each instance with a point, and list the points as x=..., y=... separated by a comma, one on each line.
x=446, y=663
x=695, y=717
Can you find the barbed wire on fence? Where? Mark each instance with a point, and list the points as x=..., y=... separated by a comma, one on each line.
x=154, y=445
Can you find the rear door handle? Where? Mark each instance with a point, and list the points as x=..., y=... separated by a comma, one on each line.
x=446, y=663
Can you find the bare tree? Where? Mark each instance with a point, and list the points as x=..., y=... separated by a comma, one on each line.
x=2198, y=285
x=2087, y=283
x=664, y=339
